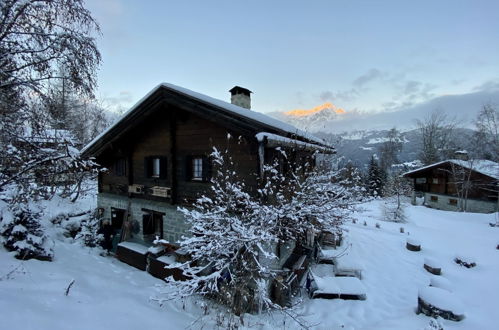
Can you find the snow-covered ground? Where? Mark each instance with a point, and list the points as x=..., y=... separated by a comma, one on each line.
x=108, y=294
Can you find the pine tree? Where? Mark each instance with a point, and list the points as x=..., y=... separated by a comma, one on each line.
x=23, y=233
x=375, y=179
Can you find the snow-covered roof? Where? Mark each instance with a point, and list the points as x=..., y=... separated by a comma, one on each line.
x=483, y=166
x=48, y=135
x=277, y=140
x=224, y=107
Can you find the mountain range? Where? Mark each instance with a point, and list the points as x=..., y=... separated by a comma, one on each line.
x=329, y=118
x=357, y=136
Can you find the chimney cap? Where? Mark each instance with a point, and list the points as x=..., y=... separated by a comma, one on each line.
x=240, y=90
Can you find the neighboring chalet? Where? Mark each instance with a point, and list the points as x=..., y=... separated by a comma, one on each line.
x=458, y=185
x=157, y=156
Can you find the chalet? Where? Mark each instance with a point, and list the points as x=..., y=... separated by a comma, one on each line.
x=458, y=185
x=157, y=156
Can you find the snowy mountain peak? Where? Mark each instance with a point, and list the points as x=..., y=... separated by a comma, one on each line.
x=323, y=108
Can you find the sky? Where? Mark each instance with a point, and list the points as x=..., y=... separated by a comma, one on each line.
x=368, y=56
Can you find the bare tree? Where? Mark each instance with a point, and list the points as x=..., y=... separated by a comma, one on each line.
x=486, y=137
x=436, y=137
x=390, y=149
x=37, y=37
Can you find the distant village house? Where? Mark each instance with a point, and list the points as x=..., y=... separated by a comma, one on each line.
x=463, y=184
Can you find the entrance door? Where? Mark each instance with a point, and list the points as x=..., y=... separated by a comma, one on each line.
x=152, y=226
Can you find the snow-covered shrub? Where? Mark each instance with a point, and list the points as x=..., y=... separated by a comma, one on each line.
x=59, y=218
x=434, y=324
x=233, y=229
x=229, y=234
x=393, y=210
x=23, y=233
x=88, y=234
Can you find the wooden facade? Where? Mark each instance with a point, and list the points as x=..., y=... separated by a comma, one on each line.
x=159, y=151
x=447, y=178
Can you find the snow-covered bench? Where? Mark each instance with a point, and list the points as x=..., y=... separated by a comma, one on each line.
x=330, y=287
x=433, y=301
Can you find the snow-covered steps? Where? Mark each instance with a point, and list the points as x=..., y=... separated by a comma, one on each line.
x=132, y=253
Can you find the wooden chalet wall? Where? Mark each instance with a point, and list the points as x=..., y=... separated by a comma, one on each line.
x=176, y=135
x=440, y=181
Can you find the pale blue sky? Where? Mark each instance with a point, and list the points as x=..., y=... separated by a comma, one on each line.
x=363, y=55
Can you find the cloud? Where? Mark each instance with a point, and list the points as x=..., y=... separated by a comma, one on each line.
x=346, y=95
x=491, y=85
x=369, y=76
x=412, y=87
x=120, y=102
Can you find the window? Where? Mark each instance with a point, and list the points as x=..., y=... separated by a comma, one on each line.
x=420, y=180
x=197, y=168
x=435, y=180
x=120, y=167
x=434, y=198
x=155, y=167
x=452, y=201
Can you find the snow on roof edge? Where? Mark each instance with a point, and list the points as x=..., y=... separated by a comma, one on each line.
x=128, y=112
x=250, y=114
x=479, y=169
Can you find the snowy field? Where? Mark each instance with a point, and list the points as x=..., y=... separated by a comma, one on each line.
x=108, y=294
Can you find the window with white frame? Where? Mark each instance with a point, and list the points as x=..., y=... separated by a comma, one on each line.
x=197, y=168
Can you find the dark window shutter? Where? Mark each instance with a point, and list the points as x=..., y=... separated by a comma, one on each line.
x=188, y=168
x=147, y=167
x=162, y=167
x=207, y=168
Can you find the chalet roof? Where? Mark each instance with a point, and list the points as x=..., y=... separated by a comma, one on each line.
x=262, y=122
x=483, y=166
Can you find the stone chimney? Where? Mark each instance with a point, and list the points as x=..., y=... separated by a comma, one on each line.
x=461, y=154
x=241, y=97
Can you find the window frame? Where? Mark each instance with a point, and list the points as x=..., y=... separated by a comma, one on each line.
x=197, y=168
x=120, y=167
x=155, y=167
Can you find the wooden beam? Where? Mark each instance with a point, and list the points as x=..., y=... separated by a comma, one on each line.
x=173, y=153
